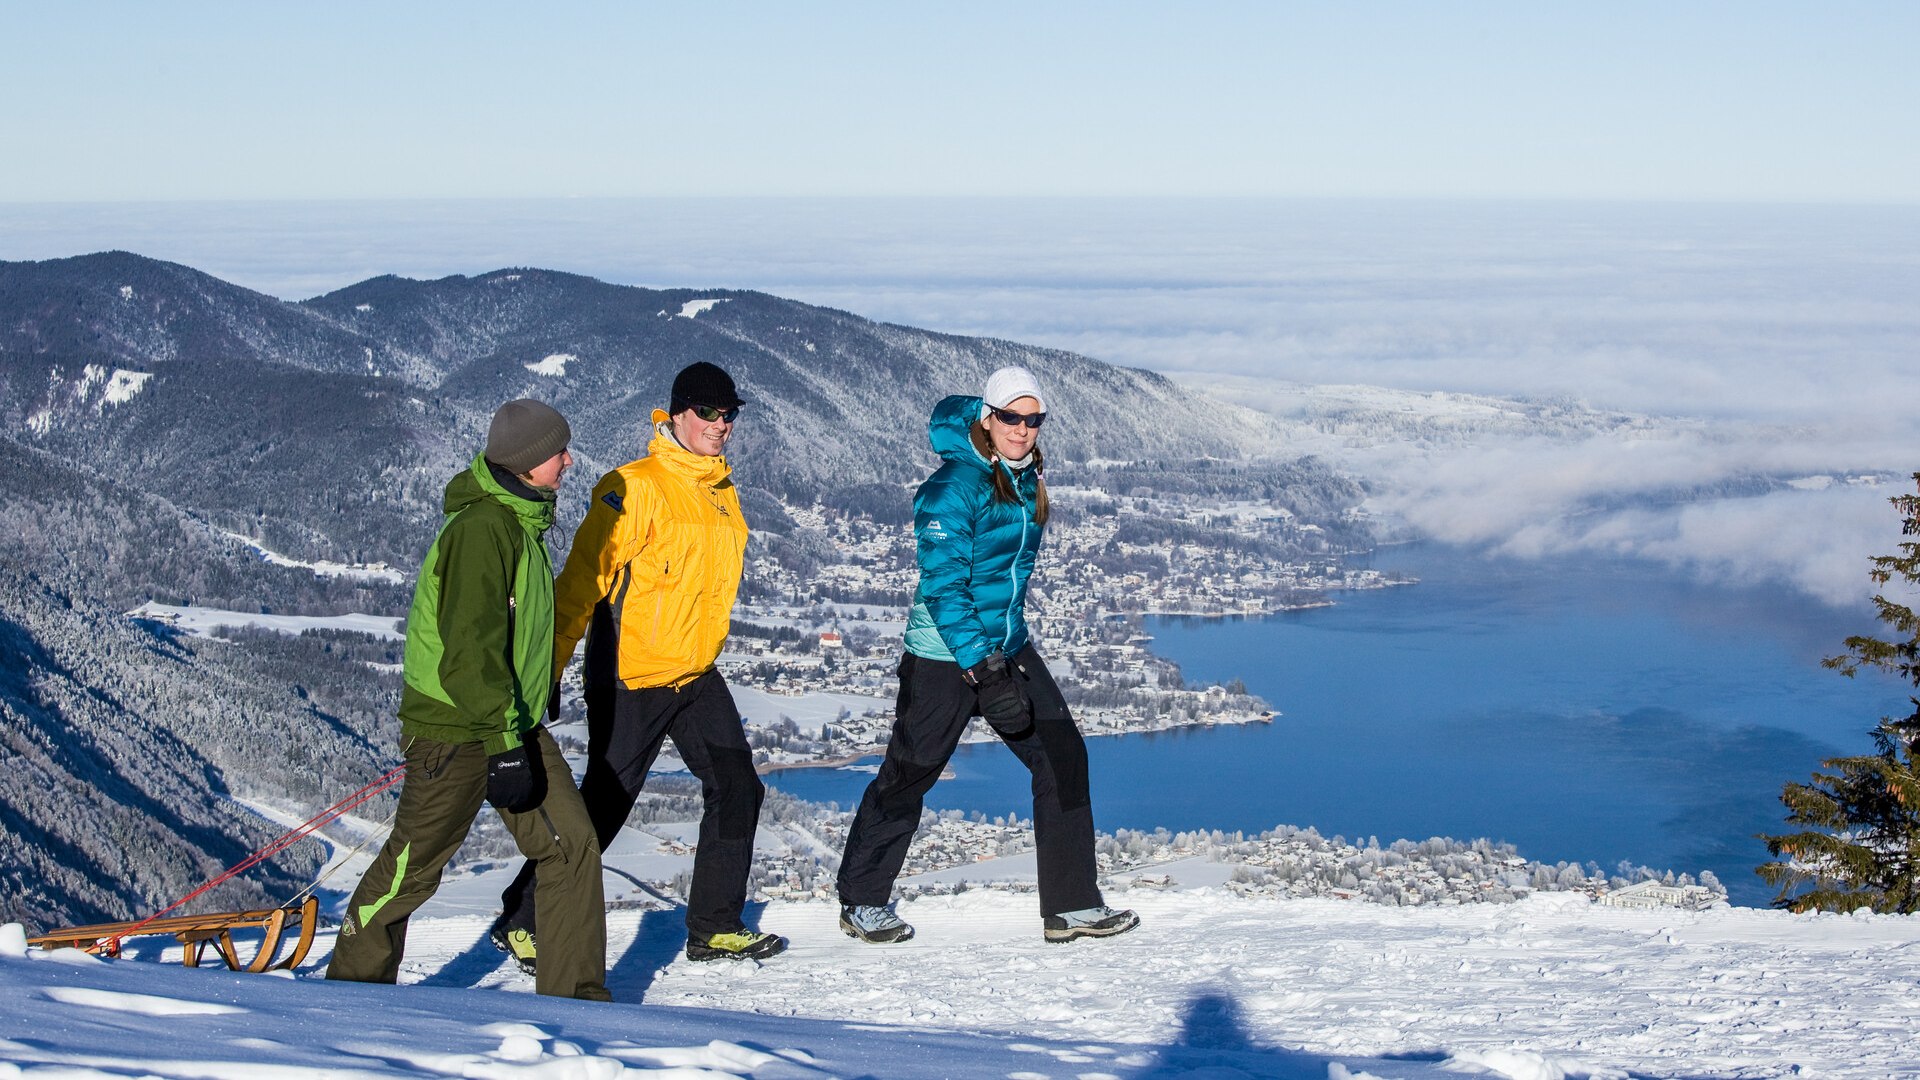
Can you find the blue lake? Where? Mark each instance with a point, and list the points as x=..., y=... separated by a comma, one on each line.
x=1597, y=712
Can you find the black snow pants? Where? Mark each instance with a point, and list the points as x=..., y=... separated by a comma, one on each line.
x=624, y=732
x=934, y=706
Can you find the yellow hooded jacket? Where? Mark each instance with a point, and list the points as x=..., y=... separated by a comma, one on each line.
x=663, y=543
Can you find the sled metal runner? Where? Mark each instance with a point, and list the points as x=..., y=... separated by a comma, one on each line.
x=196, y=932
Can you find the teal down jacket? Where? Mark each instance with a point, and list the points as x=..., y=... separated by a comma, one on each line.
x=975, y=553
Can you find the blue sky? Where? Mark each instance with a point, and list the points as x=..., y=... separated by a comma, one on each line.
x=1585, y=201
x=1700, y=101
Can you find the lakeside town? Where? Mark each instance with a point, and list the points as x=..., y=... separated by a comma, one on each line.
x=811, y=659
x=820, y=623
x=825, y=605
x=818, y=633
x=826, y=625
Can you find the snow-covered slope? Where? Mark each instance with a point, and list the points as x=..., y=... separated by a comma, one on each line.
x=1211, y=985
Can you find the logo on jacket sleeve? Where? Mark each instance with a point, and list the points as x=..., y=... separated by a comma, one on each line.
x=612, y=498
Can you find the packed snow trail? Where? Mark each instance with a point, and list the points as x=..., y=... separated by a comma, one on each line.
x=1211, y=985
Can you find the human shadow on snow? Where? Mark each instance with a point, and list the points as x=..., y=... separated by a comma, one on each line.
x=1214, y=1042
x=469, y=966
x=658, y=942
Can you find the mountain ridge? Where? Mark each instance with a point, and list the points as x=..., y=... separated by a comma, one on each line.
x=150, y=413
x=833, y=398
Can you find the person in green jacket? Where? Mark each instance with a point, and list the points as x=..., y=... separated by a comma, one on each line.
x=478, y=671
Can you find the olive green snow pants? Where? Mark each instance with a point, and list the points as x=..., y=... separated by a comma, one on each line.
x=445, y=786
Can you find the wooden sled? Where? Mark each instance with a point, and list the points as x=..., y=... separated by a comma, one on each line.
x=196, y=932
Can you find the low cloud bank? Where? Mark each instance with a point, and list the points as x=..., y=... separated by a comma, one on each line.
x=1727, y=510
x=1727, y=501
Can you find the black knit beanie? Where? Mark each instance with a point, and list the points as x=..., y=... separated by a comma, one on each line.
x=525, y=433
x=701, y=383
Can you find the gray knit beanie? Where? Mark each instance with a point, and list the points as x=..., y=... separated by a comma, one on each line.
x=525, y=433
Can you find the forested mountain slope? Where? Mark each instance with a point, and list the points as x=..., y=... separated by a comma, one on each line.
x=160, y=427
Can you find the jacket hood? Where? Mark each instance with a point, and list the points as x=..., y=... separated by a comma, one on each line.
x=477, y=483
x=948, y=429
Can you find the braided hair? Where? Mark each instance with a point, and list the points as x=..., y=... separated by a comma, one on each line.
x=1003, y=479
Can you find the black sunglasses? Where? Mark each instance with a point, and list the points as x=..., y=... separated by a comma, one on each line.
x=711, y=414
x=1014, y=419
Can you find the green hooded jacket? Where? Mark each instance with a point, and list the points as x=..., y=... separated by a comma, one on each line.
x=479, y=659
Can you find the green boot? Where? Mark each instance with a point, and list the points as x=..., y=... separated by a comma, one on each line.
x=515, y=942
x=741, y=944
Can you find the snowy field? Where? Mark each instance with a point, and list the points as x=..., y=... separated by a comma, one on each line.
x=206, y=621
x=810, y=711
x=1211, y=986
x=323, y=568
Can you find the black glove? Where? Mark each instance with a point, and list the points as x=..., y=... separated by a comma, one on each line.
x=1001, y=701
x=515, y=783
x=553, y=705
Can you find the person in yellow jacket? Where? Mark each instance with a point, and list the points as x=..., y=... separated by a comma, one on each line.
x=650, y=583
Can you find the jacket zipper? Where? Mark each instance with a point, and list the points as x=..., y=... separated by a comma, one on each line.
x=513, y=644
x=659, y=601
x=1013, y=571
x=556, y=834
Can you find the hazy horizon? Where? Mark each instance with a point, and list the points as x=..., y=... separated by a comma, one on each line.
x=1787, y=334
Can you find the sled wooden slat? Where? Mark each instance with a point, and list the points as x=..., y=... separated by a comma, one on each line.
x=196, y=932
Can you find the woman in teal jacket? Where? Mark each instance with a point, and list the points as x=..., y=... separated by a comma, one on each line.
x=977, y=525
